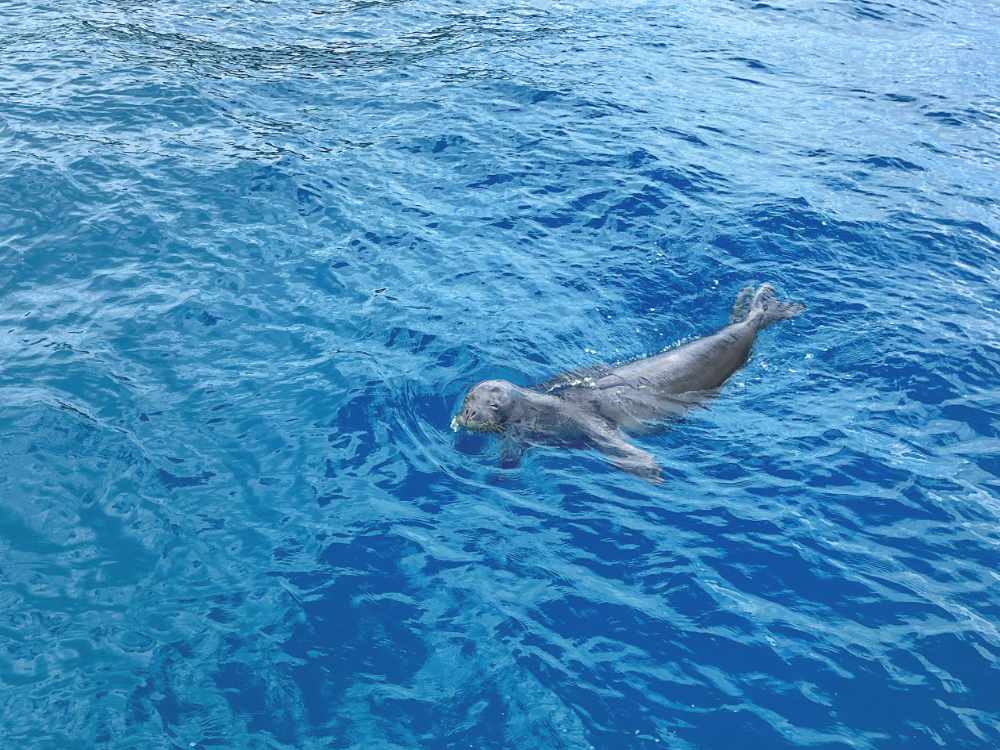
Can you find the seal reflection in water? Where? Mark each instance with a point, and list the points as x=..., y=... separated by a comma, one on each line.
x=600, y=411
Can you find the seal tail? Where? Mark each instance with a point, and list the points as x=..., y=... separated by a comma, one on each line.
x=765, y=308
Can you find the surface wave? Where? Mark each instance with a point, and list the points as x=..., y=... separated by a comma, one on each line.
x=252, y=257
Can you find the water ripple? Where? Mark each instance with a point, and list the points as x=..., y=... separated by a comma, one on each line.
x=254, y=256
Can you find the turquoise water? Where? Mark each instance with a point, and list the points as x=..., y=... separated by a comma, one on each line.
x=253, y=255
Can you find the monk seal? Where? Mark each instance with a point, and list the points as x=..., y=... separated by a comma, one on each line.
x=599, y=409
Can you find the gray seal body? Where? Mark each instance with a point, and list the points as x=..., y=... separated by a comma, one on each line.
x=599, y=410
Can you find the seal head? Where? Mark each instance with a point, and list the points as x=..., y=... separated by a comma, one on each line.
x=487, y=407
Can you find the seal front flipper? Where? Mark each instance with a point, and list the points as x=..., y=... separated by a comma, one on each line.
x=511, y=453
x=626, y=456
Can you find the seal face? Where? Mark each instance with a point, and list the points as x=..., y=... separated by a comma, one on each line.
x=598, y=412
x=487, y=407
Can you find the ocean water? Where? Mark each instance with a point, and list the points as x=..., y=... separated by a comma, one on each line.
x=252, y=255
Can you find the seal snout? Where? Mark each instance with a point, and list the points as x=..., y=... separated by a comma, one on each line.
x=465, y=418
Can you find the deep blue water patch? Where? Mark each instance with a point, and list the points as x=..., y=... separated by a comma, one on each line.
x=251, y=256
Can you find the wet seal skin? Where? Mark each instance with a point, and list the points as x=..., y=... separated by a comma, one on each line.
x=602, y=409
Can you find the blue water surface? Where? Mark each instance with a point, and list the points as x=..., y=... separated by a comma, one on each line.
x=253, y=254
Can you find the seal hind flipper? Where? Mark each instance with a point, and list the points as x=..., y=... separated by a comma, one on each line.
x=741, y=307
x=766, y=308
